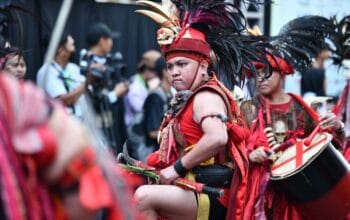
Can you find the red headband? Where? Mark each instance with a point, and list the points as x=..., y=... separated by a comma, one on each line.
x=277, y=63
x=190, y=43
x=193, y=56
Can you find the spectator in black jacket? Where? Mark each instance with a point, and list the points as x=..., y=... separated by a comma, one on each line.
x=313, y=81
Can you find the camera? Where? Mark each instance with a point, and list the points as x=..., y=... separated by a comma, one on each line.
x=113, y=72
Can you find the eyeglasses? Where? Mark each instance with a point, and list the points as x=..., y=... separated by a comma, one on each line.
x=263, y=77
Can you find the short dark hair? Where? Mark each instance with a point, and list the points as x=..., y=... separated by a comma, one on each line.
x=5, y=53
x=96, y=32
x=61, y=43
x=63, y=40
x=159, y=67
x=322, y=46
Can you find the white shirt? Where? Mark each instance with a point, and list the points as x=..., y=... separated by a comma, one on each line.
x=54, y=86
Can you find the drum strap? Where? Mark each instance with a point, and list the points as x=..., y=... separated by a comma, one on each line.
x=308, y=108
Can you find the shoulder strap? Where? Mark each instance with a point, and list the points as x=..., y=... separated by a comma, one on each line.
x=217, y=89
x=308, y=108
x=223, y=95
x=342, y=101
x=65, y=83
x=61, y=76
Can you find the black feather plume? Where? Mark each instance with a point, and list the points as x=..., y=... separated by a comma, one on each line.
x=223, y=24
x=300, y=40
x=236, y=54
x=343, y=40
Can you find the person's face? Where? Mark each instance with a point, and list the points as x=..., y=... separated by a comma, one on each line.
x=271, y=85
x=70, y=45
x=67, y=49
x=185, y=73
x=149, y=73
x=16, y=66
x=166, y=76
x=322, y=57
x=106, y=44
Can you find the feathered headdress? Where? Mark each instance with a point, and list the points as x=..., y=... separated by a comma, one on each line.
x=343, y=40
x=299, y=41
x=199, y=26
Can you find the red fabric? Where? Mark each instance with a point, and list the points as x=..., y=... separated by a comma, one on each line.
x=22, y=112
x=346, y=151
x=94, y=191
x=191, y=131
x=27, y=147
x=307, y=107
x=47, y=155
x=277, y=64
x=190, y=55
x=299, y=154
x=189, y=40
x=338, y=108
x=237, y=135
x=284, y=107
x=168, y=152
x=77, y=167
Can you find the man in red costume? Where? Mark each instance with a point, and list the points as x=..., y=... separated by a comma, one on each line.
x=288, y=117
x=202, y=137
x=194, y=135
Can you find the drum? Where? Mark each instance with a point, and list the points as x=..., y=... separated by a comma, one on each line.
x=315, y=177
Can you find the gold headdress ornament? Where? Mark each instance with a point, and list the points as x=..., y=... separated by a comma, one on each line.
x=168, y=22
x=255, y=31
x=199, y=26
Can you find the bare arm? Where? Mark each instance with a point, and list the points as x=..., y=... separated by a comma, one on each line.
x=213, y=140
x=215, y=135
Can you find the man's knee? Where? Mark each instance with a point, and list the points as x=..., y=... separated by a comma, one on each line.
x=142, y=197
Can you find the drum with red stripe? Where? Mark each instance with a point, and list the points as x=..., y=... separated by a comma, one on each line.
x=315, y=177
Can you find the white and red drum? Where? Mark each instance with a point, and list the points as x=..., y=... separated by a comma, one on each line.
x=315, y=177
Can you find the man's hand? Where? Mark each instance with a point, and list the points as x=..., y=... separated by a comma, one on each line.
x=97, y=66
x=168, y=175
x=90, y=76
x=121, y=89
x=330, y=121
x=153, y=83
x=258, y=155
x=89, y=79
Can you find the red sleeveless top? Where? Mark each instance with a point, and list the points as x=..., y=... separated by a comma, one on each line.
x=190, y=129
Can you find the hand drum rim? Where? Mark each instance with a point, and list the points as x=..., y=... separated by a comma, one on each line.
x=298, y=156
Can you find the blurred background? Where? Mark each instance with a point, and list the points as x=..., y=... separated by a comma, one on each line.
x=133, y=33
